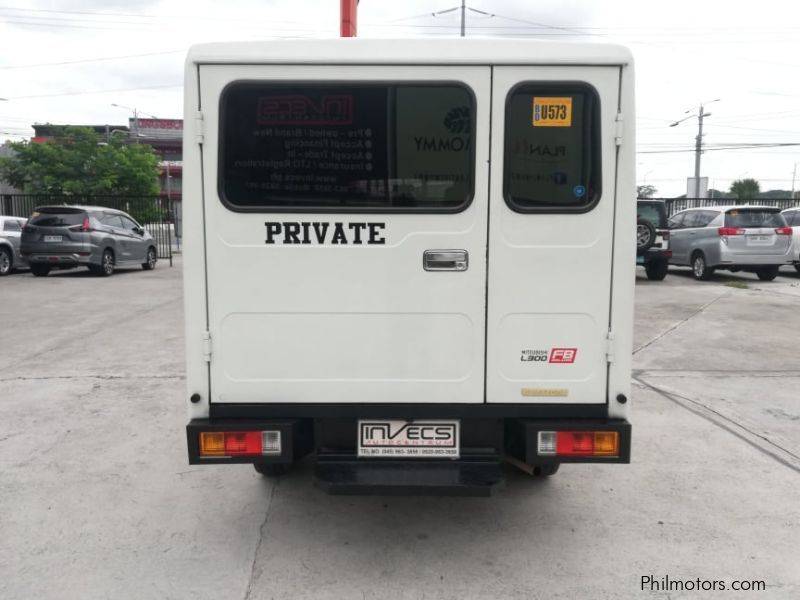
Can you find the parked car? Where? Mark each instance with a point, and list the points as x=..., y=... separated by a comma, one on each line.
x=792, y=216
x=101, y=239
x=737, y=238
x=652, y=238
x=10, y=232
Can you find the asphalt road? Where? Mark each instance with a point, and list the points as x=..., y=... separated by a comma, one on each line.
x=97, y=501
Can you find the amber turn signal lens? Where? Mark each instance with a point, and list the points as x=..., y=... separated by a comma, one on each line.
x=606, y=443
x=212, y=443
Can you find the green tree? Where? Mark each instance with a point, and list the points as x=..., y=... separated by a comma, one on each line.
x=645, y=191
x=745, y=189
x=77, y=162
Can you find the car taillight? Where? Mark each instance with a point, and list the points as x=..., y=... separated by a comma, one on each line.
x=578, y=443
x=239, y=443
x=86, y=226
x=783, y=230
x=731, y=231
x=664, y=233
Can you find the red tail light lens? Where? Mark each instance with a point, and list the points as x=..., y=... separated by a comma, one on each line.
x=86, y=226
x=578, y=443
x=784, y=231
x=731, y=231
x=242, y=442
x=574, y=443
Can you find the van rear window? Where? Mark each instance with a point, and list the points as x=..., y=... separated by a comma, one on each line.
x=350, y=147
x=754, y=218
x=552, y=147
x=53, y=219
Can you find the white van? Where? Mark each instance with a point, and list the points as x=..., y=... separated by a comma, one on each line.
x=409, y=260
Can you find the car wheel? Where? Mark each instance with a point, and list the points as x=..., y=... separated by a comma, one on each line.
x=5, y=262
x=40, y=270
x=700, y=270
x=272, y=469
x=657, y=270
x=150, y=261
x=106, y=267
x=645, y=235
x=545, y=470
x=767, y=273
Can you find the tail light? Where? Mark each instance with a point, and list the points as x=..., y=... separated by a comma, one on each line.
x=86, y=226
x=239, y=443
x=578, y=443
x=783, y=230
x=731, y=231
x=664, y=233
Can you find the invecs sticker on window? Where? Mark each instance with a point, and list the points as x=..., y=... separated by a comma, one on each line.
x=552, y=112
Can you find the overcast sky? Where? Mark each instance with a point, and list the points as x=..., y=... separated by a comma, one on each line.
x=67, y=61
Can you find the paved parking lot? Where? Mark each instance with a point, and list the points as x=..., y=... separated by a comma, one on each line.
x=97, y=501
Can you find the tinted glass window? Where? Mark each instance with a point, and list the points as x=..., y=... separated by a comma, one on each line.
x=676, y=221
x=128, y=223
x=652, y=212
x=346, y=146
x=12, y=225
x=52, y=219
x=111, y=221
x=694, y=218
x=552, y=148
x=792, y=217
x=754, y=218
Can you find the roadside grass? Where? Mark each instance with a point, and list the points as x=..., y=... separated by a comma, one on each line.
x=742, y=285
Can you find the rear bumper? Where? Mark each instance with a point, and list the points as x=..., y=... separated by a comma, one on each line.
x=485, y=442
x=55, y=259
x=728, y=258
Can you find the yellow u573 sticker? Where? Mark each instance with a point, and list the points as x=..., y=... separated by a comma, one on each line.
x=552, y=112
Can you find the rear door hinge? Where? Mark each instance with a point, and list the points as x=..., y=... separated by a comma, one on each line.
x=610, y=337
x=199, y=127
x=618, y=129
x=207, y=346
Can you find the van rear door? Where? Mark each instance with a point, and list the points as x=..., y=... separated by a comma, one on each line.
x=346, y=229
x=551, y=233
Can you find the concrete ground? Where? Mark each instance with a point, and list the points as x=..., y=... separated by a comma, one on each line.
x=97, y=501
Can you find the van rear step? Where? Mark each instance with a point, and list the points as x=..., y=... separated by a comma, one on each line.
x=348, y=476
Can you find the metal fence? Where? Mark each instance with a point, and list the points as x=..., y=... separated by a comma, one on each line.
x=675, y=205
x=156, y=215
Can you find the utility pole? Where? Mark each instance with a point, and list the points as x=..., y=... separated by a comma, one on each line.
x=698, y=147
x=794, y=174
x=463, y=17
x=698, y=150
x=348, y=13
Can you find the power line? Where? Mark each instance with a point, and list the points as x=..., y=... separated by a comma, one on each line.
x=91, y=60
x=132, y=89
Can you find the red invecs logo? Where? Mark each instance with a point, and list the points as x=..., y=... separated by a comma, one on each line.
x=302, y=110
x=563, y=355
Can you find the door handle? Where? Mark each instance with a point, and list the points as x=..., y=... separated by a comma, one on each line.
x=445, y=260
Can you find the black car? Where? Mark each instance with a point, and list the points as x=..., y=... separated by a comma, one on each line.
x=652, y=238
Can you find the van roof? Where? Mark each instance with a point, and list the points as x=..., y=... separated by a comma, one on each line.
x=417, y=51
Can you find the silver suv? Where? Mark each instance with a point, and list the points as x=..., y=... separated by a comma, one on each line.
x=736, y=238
x=10, y=232
x=91, y=236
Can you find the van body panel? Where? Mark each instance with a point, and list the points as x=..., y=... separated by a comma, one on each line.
x=325, y=322
x=550, y=271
